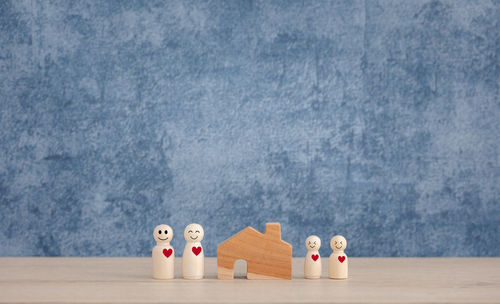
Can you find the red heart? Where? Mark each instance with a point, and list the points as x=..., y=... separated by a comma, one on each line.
x=341, y=259
x=315, y=257
x=196, y=250
x=167, y=253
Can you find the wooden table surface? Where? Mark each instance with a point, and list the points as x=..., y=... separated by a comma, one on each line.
x=128, y=280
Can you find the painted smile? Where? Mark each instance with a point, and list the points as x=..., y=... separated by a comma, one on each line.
x=338, y=247
x=163, y=239
x=193, y=238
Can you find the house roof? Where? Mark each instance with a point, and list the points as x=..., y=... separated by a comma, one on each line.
x=250, y=231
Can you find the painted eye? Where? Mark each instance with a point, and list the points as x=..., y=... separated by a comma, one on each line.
x=341, y=242
x=166, y=231
x=197, y=231
x=314, y=242
x=335, y=242
x=190, y=231
x=159, y=231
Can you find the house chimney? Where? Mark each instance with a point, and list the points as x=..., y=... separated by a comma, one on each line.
x=273, y=230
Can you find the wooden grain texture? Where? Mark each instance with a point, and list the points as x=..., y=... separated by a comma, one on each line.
x=266, y=254
x=128, y=280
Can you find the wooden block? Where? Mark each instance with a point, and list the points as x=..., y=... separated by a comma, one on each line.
x=267, y=256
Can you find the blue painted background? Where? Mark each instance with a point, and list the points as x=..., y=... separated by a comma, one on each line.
x=379, y=120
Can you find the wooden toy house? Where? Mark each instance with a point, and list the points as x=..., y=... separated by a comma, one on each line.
x=267, y=256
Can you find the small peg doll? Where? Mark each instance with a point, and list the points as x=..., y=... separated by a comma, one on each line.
x=312, y=263
x=338, y=259
x=163, y=254
x=193, y=258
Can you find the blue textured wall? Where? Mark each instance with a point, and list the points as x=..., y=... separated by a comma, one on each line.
x=379, y=120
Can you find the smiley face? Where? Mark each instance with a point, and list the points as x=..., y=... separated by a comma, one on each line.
x=338, y=243
x=194, y=233
x=163, y=234
x=313, y=242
